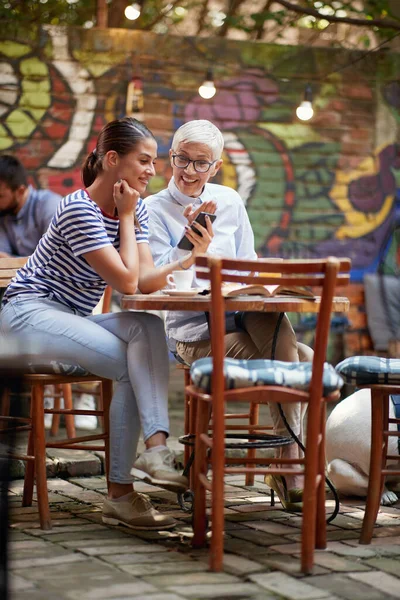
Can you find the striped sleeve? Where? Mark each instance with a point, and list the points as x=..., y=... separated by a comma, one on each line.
x=142, y=235
x=82, y=227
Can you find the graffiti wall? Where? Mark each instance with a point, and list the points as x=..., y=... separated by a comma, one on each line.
x=327, y=186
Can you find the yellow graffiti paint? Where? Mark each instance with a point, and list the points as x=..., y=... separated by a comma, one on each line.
x=13, y=49
x=358, y=223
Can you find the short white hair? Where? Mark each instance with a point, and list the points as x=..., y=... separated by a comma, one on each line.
x=201, y=132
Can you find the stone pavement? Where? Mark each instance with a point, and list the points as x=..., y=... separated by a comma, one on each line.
x=82, y=559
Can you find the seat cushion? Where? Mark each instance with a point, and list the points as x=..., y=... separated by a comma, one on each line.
x=365, y=370
x=250, y=373
x=56, y=368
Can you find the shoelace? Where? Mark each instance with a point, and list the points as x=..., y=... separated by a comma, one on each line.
x=169, y=461
x=141, y=501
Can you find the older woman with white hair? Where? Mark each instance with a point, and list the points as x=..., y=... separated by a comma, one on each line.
x=195, y=159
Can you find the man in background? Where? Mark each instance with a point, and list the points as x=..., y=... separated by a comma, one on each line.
x=25, y=214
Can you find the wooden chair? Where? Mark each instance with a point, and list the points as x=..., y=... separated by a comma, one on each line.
x=190, y=423
x=36, y=452
x=382, y=377
x=8, y=269
x=325, y=274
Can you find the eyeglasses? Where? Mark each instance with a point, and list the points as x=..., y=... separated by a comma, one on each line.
x=200, y=166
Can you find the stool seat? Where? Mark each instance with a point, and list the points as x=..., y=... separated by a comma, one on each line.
x=370, y=370
x=258, y=372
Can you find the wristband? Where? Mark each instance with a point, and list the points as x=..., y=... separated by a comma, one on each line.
x=180, y=261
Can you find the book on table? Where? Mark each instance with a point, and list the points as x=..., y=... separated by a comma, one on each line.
x=233, y=289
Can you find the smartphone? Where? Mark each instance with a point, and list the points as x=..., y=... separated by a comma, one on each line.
x=186, y=244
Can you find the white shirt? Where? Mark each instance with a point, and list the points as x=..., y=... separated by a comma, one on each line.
x=233, y=238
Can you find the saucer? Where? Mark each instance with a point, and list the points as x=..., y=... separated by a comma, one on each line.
x=182, y=293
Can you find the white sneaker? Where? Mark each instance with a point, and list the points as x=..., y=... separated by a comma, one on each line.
x=159, y=468
x=85, y=402
x=48, y=419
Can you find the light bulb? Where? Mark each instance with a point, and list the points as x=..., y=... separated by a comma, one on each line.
x=207, y=90
x=132, y=12
x=305, y=111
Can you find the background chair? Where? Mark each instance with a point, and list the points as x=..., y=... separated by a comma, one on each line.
x=382, y=377
x=213, y=385
x=36, y=452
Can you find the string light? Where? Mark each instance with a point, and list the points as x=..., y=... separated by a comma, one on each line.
x=132, y=11
x=207, y=89
x=305, y=110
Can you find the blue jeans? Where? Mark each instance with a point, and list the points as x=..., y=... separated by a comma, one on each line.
x=127, y=347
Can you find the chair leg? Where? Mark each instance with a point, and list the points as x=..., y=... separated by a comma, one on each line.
x=55, y=421
x=106, y=397
x=40, y=455
x=187, y=421
x=320, y=540
x=29, y=478
x=308, y=529
x=200, y=466
x=5, y=407
x=68, y=404
x=251, y=452
x=378, y=453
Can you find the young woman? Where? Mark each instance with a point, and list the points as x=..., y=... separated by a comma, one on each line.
x=98, y=236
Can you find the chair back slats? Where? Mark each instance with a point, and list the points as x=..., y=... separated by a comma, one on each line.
x=273, y=265
x=9, y=267
x=288, y=280
x=326, y=273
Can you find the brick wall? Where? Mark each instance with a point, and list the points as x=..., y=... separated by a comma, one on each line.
x=323, y=187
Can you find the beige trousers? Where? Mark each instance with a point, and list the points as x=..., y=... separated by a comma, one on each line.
x=256, y=342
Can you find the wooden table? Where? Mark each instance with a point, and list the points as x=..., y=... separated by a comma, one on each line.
x=242, y=303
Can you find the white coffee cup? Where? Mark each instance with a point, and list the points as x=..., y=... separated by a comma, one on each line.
x=181, y=280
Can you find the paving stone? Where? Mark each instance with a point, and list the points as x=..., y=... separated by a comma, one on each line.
x=87, y=534
x=217, y=590
x=273, y=528
x=143, y=570
x=288, y=564
x=257, y=537
x=43, y=561
x=238, y=565
x=63, y=528
x=345, y=587
x=91, y=483
x=163, y=597
x=382, y=541
x=83, y=571
x=288, y=587
x=114, y=540
x=120, y=549
x=388, y=565
x=115, y=590
x=337, y=563
x=74, y=462
x=17, y=584
x=189, y=579
x=356, y=551
x=381, y=581
x=150, y=557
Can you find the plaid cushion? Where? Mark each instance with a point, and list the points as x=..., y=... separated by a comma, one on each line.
x=249, y=373
x=56, y=368
x=366, y=370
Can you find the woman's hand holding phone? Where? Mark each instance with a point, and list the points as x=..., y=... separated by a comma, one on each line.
x=210, y=207
x=125, y=198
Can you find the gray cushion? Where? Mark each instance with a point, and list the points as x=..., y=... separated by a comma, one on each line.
x=249, y=373
x=366, y=370
x=382, y=303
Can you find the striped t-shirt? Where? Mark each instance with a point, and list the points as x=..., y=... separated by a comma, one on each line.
x=57, y=266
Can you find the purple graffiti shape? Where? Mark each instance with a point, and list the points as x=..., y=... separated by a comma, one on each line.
x=238, y=101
